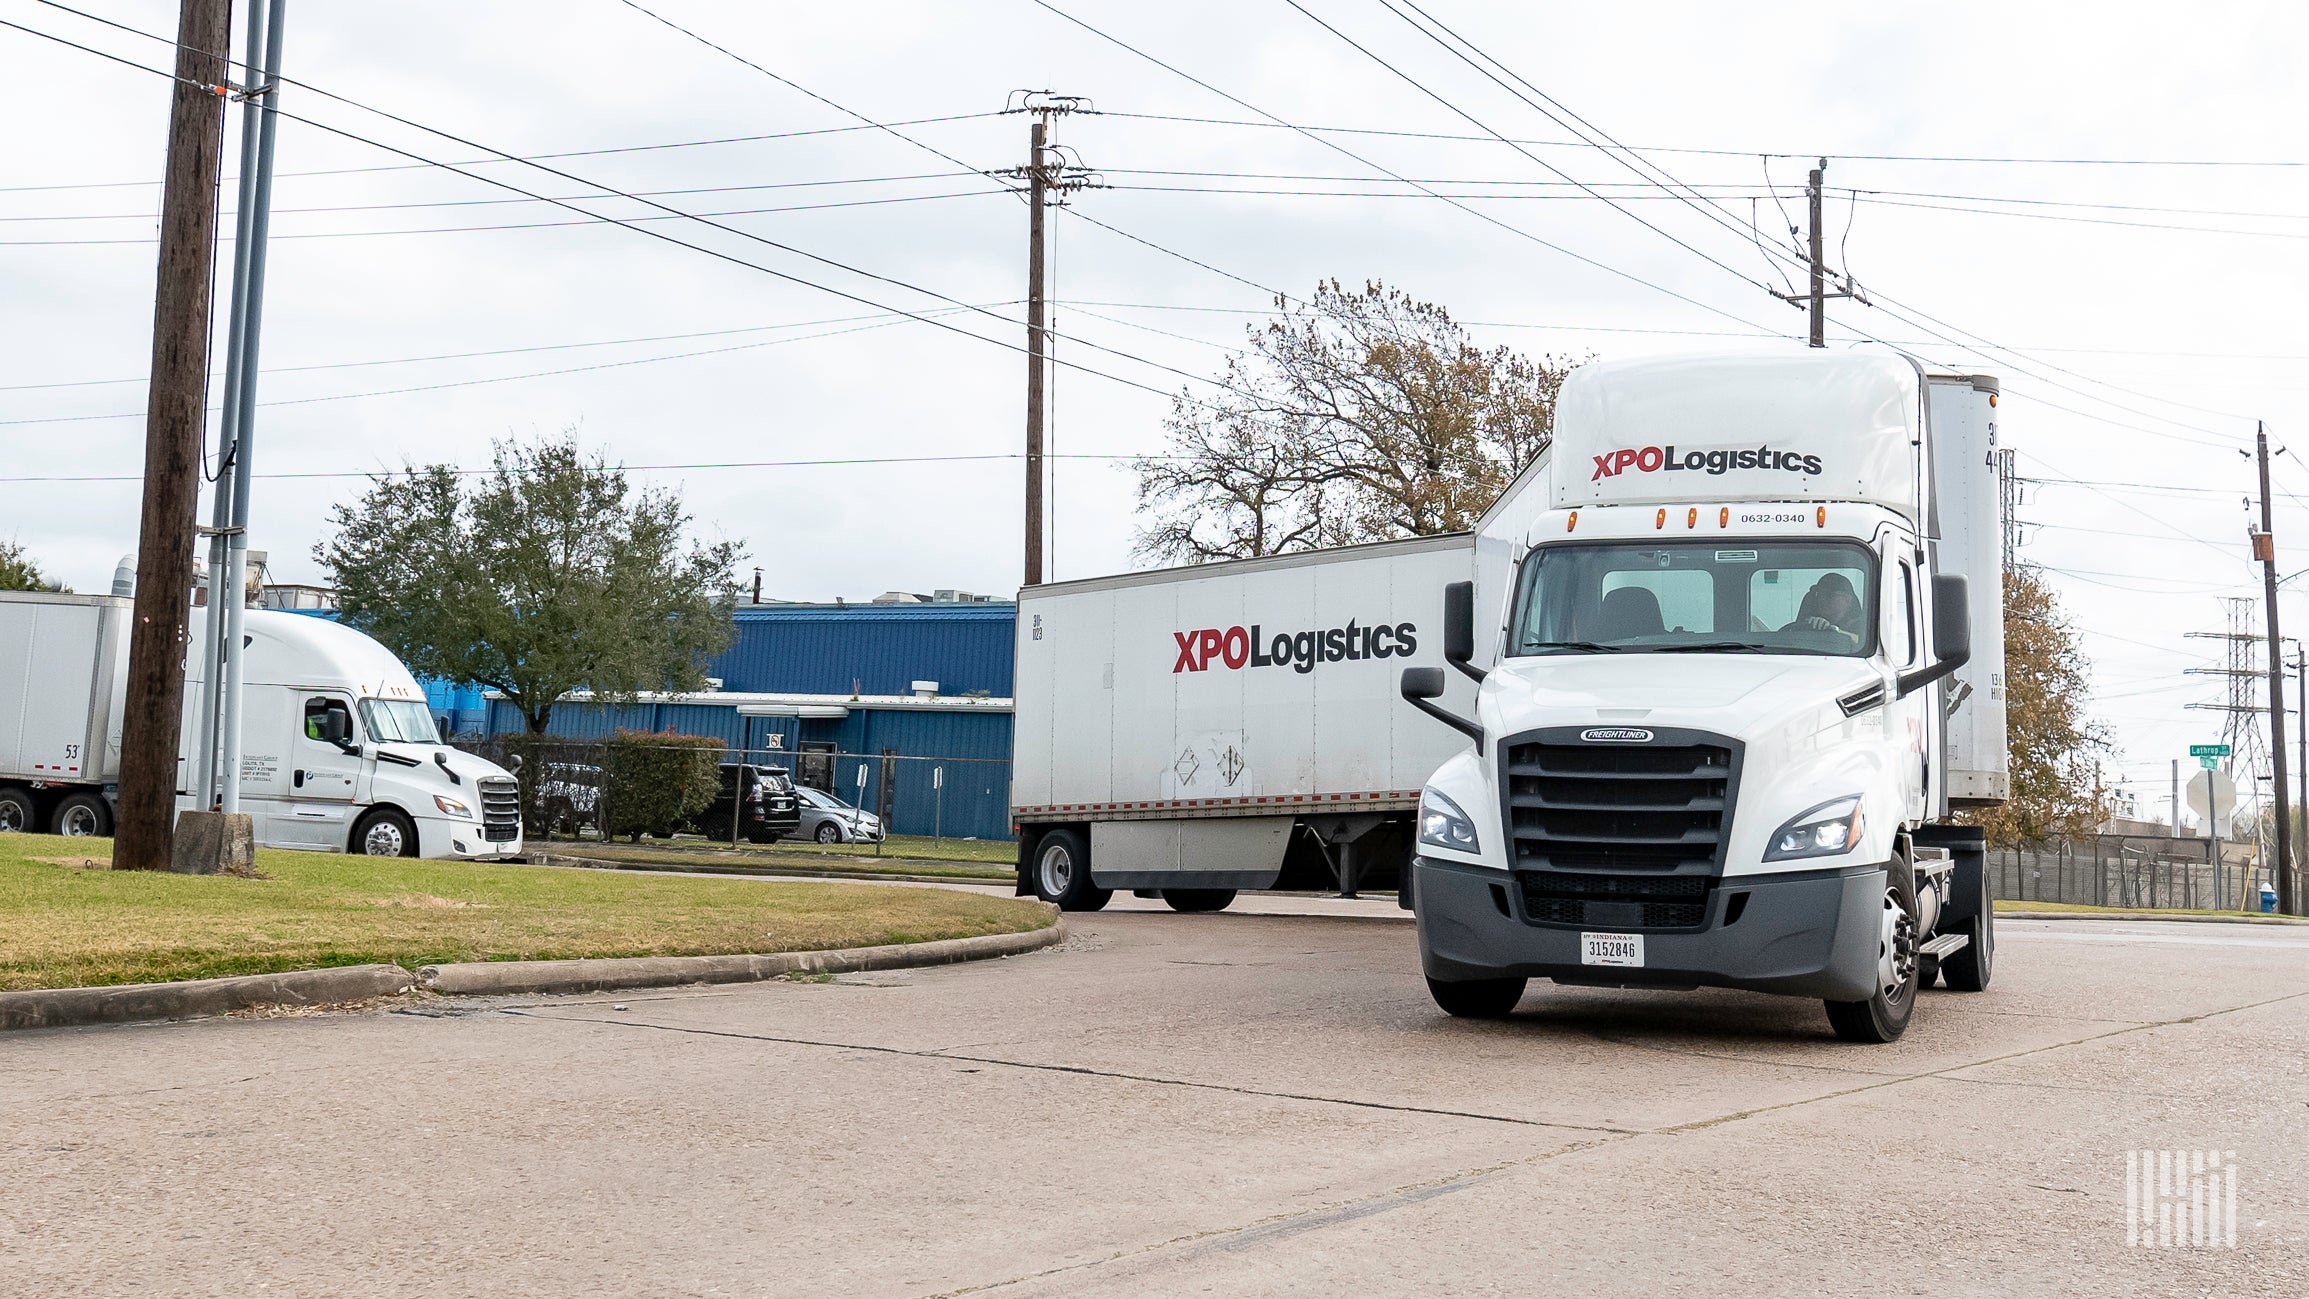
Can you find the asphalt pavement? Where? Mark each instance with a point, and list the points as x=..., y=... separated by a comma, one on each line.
x=1235, y=1104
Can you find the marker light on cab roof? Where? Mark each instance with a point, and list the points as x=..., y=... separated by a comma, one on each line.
x=1572, y=522
x=1660, y=520
x=1821, y=516
x=1724, y=517
x=1692, y=517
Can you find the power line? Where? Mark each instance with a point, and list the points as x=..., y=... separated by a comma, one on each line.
x=722, y=464
x=1518, y=231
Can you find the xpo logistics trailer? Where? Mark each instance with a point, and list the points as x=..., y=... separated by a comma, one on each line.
x=339, y=751
x=1703, y=688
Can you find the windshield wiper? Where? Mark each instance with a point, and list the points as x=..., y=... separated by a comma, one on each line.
x=1583, y=646
x=1715, y=647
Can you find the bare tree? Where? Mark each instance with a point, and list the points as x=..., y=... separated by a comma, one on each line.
x=1358, y=416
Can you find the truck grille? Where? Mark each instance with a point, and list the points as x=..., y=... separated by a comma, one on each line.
x=1618, y=807
x=500, y=809
x=1615, y=901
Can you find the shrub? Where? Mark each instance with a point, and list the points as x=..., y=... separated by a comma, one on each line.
x=654, y=781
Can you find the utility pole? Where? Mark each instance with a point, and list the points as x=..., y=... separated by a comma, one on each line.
x=1816, y=298
x=2265, y=550
x=174, y=406
x=1048, y=172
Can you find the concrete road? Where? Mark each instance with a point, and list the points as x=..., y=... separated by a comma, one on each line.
x=1223, y=1105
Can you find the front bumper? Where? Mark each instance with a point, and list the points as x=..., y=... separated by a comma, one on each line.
x=1799, y=933
x=466, y=842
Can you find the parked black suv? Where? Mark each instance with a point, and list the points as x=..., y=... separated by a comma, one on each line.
x=766, y=795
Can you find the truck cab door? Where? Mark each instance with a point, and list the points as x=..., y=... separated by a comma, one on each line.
x=316, y=799
x=1909, y=721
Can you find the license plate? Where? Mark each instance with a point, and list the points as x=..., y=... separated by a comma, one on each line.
x=1611, y=949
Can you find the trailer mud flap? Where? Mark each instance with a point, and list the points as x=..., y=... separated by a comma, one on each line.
x=1239, y=852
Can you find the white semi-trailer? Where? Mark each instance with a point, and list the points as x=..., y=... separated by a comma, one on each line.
x=1196, y=731
x=339, y=751
x=1750, y=659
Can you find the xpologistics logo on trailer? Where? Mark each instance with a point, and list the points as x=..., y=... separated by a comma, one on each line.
x=1300, y=651
x=1715, y=460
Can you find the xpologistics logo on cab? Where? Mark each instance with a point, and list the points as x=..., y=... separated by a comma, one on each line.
x=1716, y=460
x=1240, y=647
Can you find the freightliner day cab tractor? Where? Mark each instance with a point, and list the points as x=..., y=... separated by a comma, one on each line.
x=338, y=750
x=1738, y=646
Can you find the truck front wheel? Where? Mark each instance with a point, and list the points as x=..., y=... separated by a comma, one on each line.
x=1199, y=899
x=1477, y=998
x=83, y=815
x=385, y=832
x=1062, y=873
x=1884, y=1016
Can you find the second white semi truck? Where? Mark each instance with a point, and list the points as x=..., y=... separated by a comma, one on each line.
x=1703, y=688
x=339, y=751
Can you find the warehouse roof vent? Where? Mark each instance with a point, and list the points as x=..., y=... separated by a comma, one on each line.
x=925, y=690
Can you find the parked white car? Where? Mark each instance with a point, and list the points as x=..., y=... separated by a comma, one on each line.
x=828, y=819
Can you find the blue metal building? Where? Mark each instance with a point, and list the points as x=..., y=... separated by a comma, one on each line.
x=831, y=691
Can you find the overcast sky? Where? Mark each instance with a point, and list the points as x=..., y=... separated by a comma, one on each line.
x=2151, y=311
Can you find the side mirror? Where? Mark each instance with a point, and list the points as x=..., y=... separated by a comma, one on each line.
x=1422, y=687
x=1951, y=633
x=1459, y=628
x=336, y=726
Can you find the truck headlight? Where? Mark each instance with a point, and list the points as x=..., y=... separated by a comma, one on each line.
x=1824, y=831
x=452, y=807
x=1443, y=825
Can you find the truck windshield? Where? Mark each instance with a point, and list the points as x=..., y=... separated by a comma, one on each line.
x=1770, y=597
x=402, y=721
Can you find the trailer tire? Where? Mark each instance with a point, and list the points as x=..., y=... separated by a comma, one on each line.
x=1968, y=969
x=19, y=813
x=1477, y=998
x=1884, y=1017
x=83, y=816
x=1062, y=873
x=385, y=832
x=1199, y=899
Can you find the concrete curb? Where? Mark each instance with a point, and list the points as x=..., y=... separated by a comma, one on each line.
x=58, y=1007
x=764, y=872
x=497, y=978
x=2262, y=919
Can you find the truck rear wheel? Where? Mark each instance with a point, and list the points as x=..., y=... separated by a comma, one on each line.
x=1062, y=873
x=1199, y=899
x=1884, y=1016
x=1477, y=998
x=1968, y=969
x=83, y=816
x=18, y=813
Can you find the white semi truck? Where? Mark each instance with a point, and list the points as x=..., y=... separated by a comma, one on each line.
x=339, y=751
x=1724, y=659
x=1750, y=658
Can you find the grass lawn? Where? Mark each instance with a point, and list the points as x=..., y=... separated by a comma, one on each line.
x=697, y=852
x=2087, y=909
x=1000, y=852
x=63, y=924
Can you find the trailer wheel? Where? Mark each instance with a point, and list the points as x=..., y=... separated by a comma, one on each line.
x=18, y=813
x=385, y=832
x=83, y=816
x=1477, y=998
x=1884, y=1016
x=1199, y=899
x=1062, y=873
x=1968, y=969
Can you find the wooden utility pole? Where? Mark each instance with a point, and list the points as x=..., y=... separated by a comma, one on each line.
x=178, y=396
x=2265, y=550
x=1037, y=185
x=1819, y=271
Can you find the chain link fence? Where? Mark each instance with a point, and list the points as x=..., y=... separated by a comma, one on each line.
x=563, y=793
x=2127, y=871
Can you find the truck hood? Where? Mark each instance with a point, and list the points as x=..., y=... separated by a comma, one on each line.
x=416, y=761
x=1734, y=694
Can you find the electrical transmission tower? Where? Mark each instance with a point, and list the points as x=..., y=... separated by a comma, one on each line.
x=1051, y=173
x=2241, y=720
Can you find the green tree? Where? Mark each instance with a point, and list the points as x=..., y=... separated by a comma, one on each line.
x=1358, y=416
x=2055, y=752
x=18, y=573
x=548, y=574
